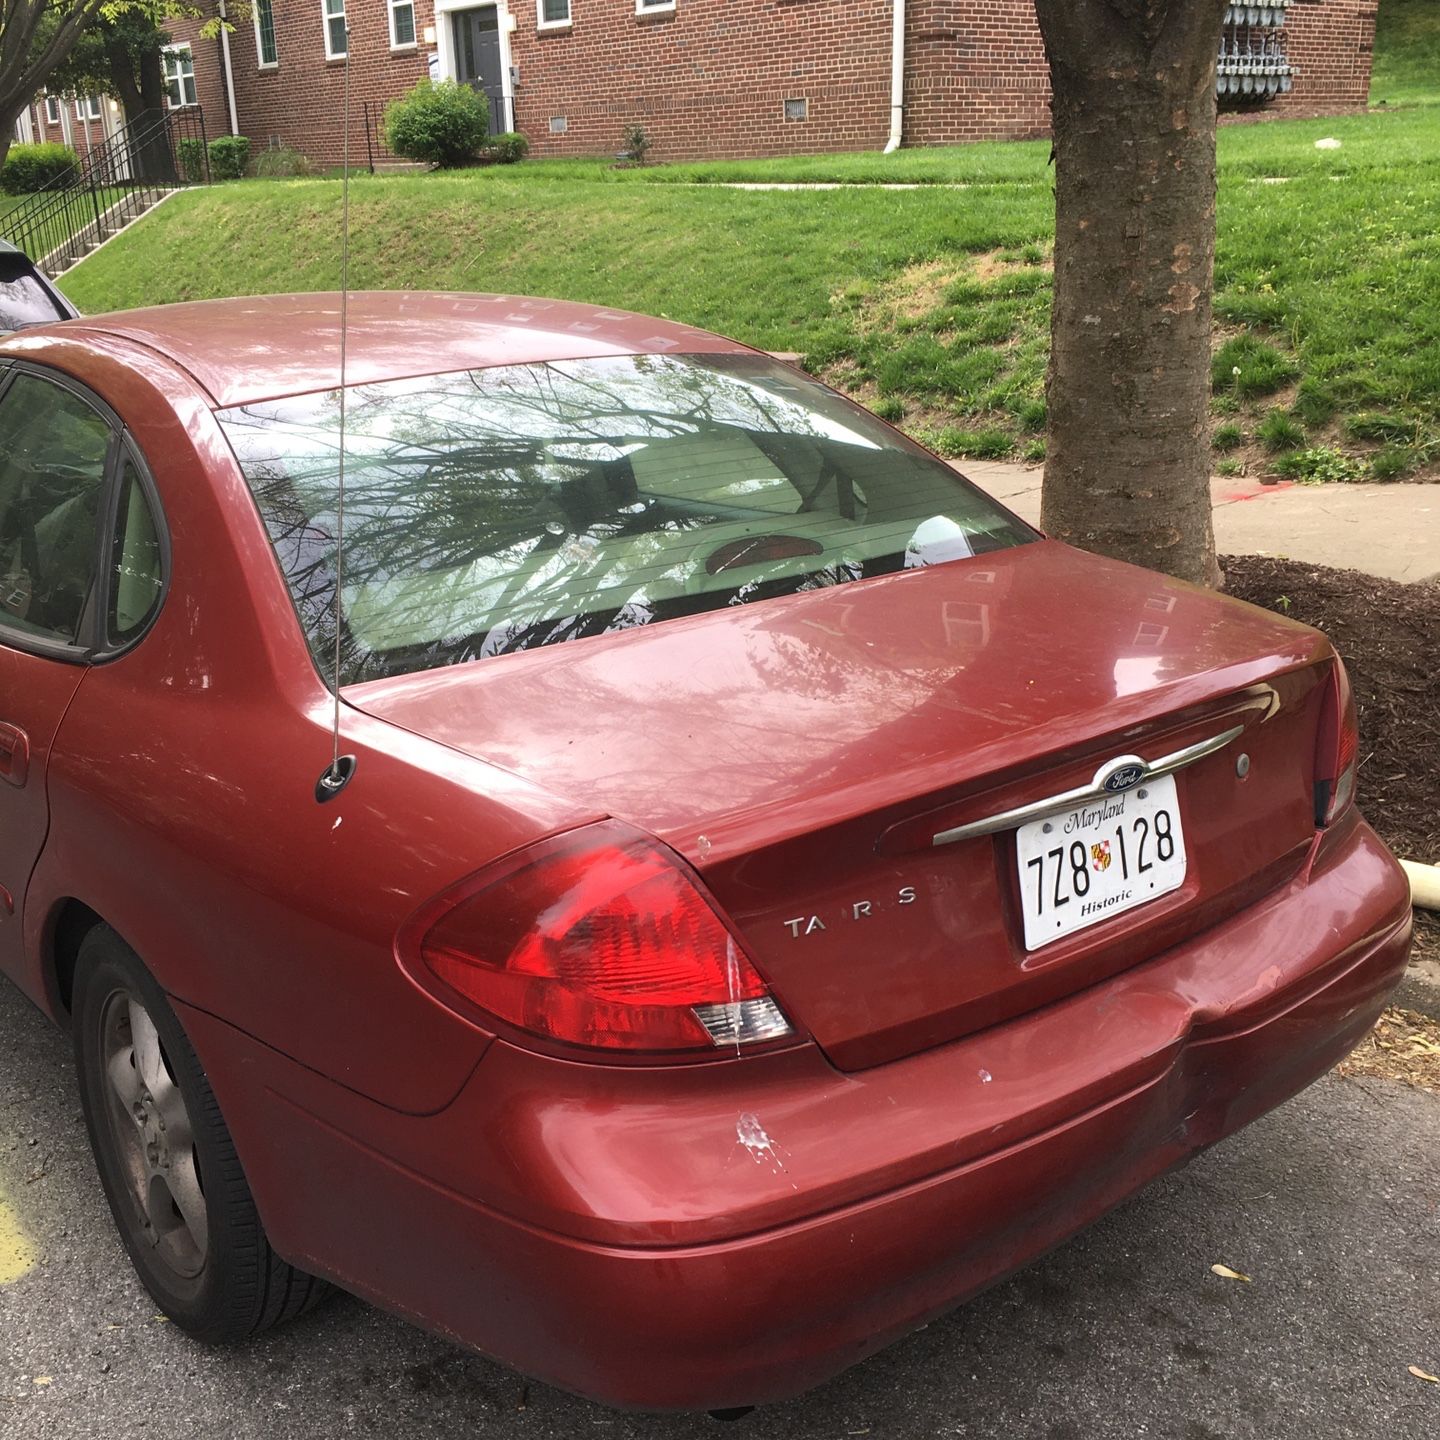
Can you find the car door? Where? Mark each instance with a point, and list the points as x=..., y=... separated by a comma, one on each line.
x=58, y=450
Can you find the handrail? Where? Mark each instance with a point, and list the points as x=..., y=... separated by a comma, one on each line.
x=115, y=183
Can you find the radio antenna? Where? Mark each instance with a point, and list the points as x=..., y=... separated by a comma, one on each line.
x=337, y=774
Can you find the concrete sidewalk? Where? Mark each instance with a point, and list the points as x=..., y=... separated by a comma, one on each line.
x=1387, y=530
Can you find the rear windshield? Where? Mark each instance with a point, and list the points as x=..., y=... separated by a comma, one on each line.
x=496, y=510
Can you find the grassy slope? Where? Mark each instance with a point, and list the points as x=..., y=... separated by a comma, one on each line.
x=1407, y=53
x=933, y=302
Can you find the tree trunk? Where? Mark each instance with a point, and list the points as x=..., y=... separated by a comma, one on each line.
x=153, y=158
x=1127, y=473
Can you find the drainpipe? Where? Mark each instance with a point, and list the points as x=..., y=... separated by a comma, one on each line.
x=225, y=66
x=1424, y=884
x=897, y=81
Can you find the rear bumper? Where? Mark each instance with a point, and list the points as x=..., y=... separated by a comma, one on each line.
x=681, y=1239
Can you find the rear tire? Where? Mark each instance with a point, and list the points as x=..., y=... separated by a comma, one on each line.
x=174, y=1182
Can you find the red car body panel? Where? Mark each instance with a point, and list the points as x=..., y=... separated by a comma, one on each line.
x=678, y=1234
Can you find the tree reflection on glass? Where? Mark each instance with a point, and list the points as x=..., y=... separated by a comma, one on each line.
x=500, y=509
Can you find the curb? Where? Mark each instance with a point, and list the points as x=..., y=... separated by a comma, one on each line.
x=1420, y=989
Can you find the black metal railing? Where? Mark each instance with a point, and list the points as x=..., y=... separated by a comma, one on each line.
x=112, y=185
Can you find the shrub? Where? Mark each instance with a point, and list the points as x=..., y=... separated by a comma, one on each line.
x=508, y=148
x=1277, y=431
x=190, y=152
x=973, y=444
x=1314, y=467
x=280, y=162
x=1228, y=437
x=32, y=167
x=1249, y=367
x=1031, y=414
x=442, y=123
x=228, y=154
x=1373, y=425
x=1315, y=402
x=1392, y=463
x=635, y=144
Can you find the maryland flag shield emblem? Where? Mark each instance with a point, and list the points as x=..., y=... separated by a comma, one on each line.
x=1100, y=855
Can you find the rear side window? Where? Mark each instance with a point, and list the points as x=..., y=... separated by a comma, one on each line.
x=502, y=509
x=53, y=450
x=136, y=577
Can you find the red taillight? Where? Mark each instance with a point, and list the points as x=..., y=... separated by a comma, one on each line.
x=1337, y=750
x=599, y=937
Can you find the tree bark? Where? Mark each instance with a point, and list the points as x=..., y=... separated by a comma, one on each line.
x=1128, y=464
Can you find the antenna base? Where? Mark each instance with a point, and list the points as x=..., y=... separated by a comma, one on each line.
x=334, y=778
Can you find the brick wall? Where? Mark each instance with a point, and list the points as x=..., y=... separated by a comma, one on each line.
x=712, y=77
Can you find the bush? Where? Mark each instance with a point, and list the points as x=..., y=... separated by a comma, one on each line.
x=973, y=444
x=1315, y=467
x=190, y=152
x=1249, y=367
x=1278, y=431
x=32, y=167
x=1228, y=437
x=1394, y=462
x=1375, y=425
x=279, y=162
x=442, y=124
x=635, y=145
x=228, y=154
x=508, y=148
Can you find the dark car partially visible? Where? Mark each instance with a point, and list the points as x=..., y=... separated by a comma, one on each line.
x=27, y=298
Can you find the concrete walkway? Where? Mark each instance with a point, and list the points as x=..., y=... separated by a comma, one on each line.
x=1387, y=530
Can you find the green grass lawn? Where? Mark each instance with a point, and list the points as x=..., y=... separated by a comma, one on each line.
x=930, y=303
x=1407, y=53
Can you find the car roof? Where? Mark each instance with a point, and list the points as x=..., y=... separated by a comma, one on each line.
x=268, y=346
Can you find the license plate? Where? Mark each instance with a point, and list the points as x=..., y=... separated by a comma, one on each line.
x=1079, y=867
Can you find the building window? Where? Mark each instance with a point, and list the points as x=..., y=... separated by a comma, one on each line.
x=88, y=108
x=797, y=109
x=337, y=44
x=650, y=7
x=553, y=13
x=266, y=51
x=52, y=109
x=559, y=124
x=179, y=77
x=402, y=24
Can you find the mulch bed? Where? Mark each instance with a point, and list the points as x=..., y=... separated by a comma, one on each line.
x=1389, y=636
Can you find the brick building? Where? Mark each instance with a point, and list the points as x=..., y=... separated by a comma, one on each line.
x=711, y=77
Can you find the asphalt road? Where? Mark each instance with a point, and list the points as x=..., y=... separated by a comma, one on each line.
x=1331, y=1205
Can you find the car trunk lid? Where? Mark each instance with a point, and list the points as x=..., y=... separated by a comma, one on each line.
x=804, y=754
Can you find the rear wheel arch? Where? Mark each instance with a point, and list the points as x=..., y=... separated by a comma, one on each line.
x=71, y=921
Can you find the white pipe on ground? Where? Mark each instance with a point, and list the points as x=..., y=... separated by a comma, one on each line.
x=897, y=81
x=1424, y=884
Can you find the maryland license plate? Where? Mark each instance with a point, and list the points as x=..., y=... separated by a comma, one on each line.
x=1078, y=867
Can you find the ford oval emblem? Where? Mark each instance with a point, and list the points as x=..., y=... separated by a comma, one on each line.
x=1125, y=777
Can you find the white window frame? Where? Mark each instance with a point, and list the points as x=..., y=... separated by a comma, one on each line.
x=52, y=109
x=180, y=77
x=326, y=16
x=541, y=23
x=653, y=7
x=88, y=107
x=261, y=63
x=410, y=44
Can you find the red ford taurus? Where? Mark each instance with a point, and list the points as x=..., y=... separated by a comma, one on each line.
x=768, y=892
